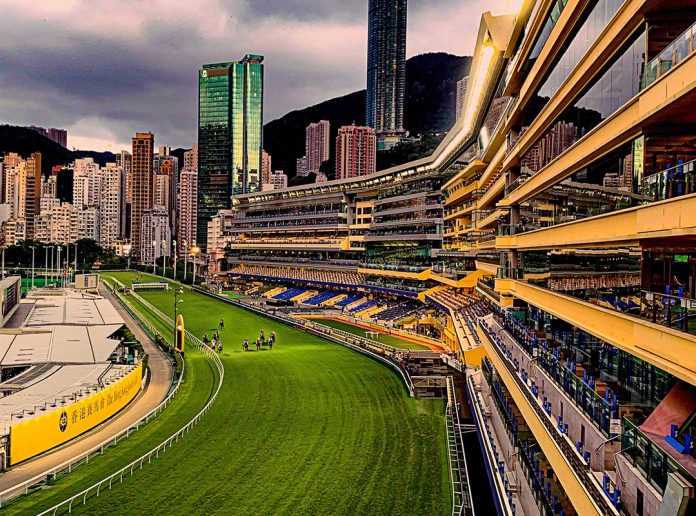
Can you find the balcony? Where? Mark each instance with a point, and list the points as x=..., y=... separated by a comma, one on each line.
x=675, y=89
x=671, y=56
x=672, y=217
x=572, y=471
x=670, y=350
x=672, y=182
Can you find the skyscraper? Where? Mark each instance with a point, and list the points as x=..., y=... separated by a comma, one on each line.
x=386, y=65
x=317, y=144
x=32, y=192
x=230, y=135
x=187, y=204
x=462, y=86
x=266, y=167
x=142, y=180
x=356, y=149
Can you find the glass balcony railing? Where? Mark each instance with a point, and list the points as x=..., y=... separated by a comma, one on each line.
x=601, y=410
x=674, y=181
x=675, y=53
x=647, y=457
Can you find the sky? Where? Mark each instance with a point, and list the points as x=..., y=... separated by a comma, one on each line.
x=104, y=69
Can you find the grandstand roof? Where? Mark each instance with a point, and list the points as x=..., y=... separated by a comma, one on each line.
x=54, y=387
x=69, y=310
x=58, y=344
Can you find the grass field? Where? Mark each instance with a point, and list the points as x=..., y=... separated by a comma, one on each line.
x=310, y=427
x=389, y=340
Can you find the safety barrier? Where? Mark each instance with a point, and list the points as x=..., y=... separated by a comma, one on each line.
x=95, y=489
x=68, y=465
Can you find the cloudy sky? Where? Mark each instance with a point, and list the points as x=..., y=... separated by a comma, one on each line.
x=104, y=69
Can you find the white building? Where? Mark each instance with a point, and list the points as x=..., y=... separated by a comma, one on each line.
x=85, y=183
x=110, y=204
x=188, y=208
x=278, y=181
x=57, y=222
x=156, y=236
x=88, y=223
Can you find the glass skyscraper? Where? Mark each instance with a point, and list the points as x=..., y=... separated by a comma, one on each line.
x=386, y=65
x=230, y=135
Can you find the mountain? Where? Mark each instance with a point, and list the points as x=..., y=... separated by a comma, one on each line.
x=24, y=141
x=102, y=158
x=431, y=94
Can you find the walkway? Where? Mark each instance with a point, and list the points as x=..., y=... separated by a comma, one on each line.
x=158, y=385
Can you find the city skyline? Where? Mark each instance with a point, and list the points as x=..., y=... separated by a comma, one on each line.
x=155, y=51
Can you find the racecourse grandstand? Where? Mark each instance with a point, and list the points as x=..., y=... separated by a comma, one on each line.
x=63, y=370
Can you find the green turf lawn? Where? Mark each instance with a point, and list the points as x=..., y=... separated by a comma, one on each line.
x=310, y=427
x=389, y=340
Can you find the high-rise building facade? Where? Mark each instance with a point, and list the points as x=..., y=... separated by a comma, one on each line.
x=301, y=166
x=386, y=65
x=32, y=192
x=462, y=85
x=356, y=149
x=59, y=136
x=188, y=208
x=317, y=149
x=266, y=167
x=142, y=185
x=110, y=204
x=230, y=134
x=191, y=158
x=156, y=237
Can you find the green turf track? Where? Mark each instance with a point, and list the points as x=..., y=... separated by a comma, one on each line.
x=389, y=340
x=308, y=428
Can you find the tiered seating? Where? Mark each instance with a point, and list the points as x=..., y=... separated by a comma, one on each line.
x=397, y=312
x=273, y=292
x=321, y=297
x=363, y=306
x=290, y=293
x=349, y=300
x=300, y=273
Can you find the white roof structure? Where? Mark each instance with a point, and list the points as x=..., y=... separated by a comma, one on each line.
x=54, y=388
x=88, y=311
x=62, y=327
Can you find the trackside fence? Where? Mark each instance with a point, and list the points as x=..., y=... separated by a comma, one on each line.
x=84, y=457
x=107, y=482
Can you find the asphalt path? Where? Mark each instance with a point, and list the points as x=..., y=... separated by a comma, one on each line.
x=158, y=384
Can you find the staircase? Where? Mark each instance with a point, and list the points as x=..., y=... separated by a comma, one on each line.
x=459, y=476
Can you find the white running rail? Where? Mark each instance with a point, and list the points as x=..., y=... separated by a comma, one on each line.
x=96, y=488
x=25, y=486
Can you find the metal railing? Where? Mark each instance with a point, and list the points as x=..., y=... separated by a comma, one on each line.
x=673, y=181
x=571, y=455
x=675, y=53
x=96, y=488
x=458, y=470
x=68, y=465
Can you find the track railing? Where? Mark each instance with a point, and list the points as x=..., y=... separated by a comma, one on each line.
x=154, y=453
x=67, y=466
x=459, y=474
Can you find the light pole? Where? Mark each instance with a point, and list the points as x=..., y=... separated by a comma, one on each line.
x=75, y=268
x=164, y=257
x=51, y=262
x=127, y=250
x=58, y=271
x=67, y=265
x=194, y=251
x=177, y=292
x=185, y=258
x=154, y=252
x=174, y=272
x=33, y=248
x=46, y=267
